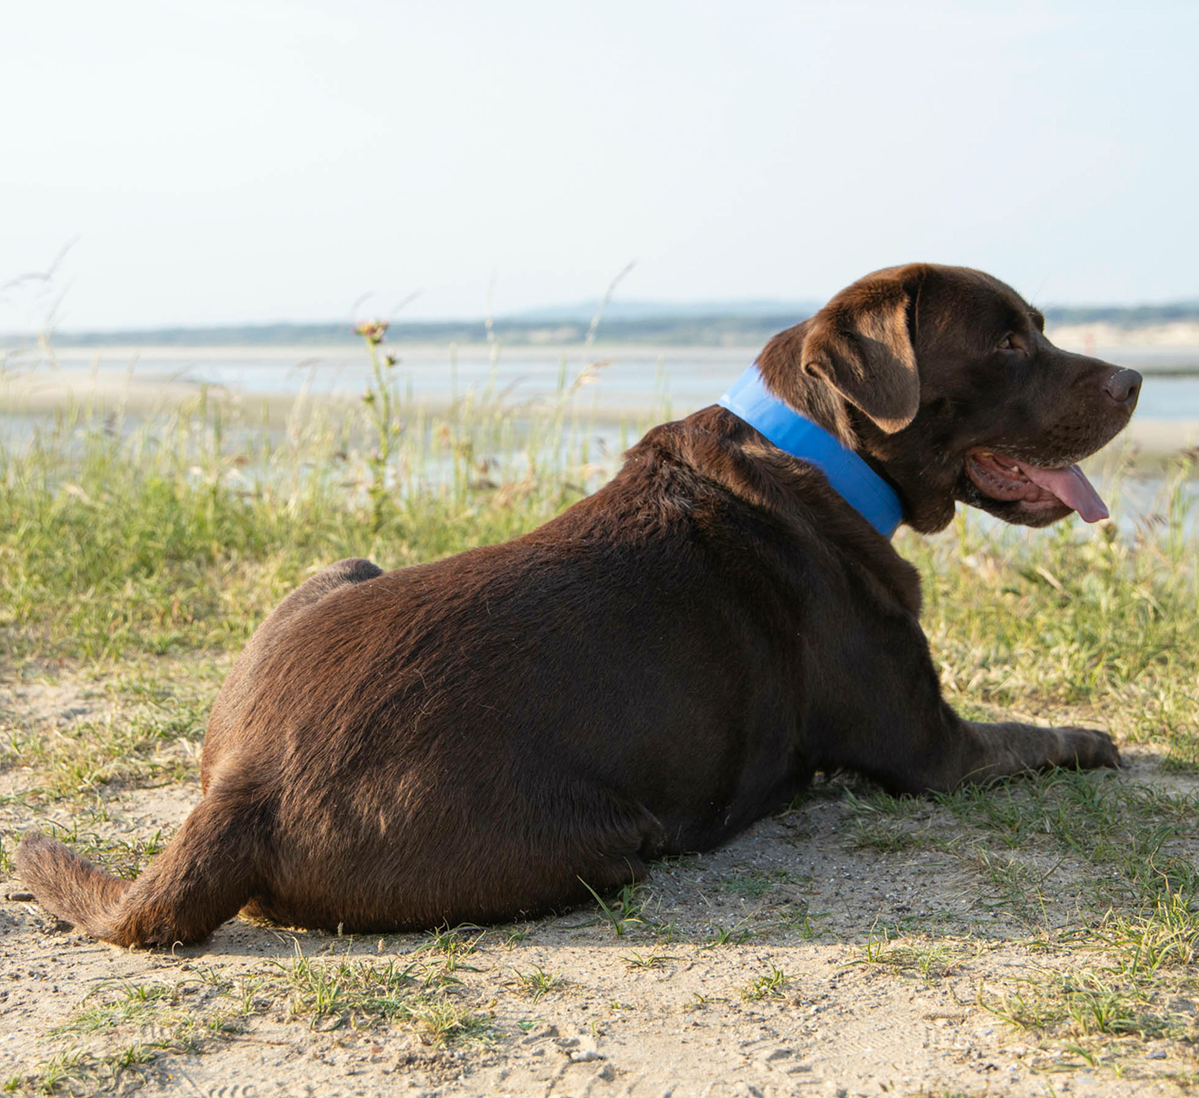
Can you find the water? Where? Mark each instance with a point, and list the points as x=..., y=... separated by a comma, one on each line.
x=626, y=380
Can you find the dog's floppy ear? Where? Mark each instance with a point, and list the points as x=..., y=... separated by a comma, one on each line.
x=860, y=345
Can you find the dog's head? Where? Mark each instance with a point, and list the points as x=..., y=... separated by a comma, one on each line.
x=942, y=378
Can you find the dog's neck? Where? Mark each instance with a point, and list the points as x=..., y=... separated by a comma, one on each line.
x=859, y=485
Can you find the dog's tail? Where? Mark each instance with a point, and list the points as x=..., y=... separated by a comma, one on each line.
x=207, y=873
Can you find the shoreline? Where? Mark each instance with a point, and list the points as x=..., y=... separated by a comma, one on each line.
x=41, y=393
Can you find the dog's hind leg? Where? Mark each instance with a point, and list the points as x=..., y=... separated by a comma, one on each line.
x=210, y=869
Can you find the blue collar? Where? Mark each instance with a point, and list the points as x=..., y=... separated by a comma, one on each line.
x=863, y=489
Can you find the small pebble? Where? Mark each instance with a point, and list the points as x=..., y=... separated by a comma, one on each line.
x=584, y=1056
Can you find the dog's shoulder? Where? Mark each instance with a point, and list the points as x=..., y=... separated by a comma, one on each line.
x=740, y=493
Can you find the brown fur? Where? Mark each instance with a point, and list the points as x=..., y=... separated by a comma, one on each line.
x=662, y=664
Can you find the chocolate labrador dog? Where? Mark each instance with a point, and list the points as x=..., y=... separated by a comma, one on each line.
x=484, y=737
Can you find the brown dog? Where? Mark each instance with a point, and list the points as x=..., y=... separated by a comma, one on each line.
x=662, y=664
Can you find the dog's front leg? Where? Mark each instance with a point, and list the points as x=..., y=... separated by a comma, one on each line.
x=1009, y=747
x=962, y=752
x=896, y=726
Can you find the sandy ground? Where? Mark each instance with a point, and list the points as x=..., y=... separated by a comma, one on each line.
x=1076, y=337
x=791, y=962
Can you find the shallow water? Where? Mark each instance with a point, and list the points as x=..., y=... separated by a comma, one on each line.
x=623, y=380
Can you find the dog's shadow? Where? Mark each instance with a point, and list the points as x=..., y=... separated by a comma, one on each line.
x=847, y=863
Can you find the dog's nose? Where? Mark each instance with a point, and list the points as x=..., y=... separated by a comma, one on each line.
x=1123, y=387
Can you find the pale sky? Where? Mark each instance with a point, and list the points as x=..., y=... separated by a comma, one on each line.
x=253, y=160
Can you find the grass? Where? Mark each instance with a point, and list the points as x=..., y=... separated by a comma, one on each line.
x=122, y=1028
x=737, y=934
x=928, y=958
x=535, y=982
x=625, y=912
x=1086, y=1002
x=757, y=883
x=1099, y=871
x=182, y=532
x=770, y=985
x=1134, y=840
x=136, y=741
x=1142, y=983
x=357, y=992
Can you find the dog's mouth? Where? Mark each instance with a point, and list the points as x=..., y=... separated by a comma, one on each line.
x=1039, y=489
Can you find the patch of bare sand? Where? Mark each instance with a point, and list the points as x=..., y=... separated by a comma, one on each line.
x=1098, y=337
x=793, y=961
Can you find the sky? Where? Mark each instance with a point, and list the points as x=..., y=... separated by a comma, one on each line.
x=240, y=161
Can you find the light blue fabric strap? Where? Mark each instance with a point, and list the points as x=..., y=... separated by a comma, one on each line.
x=863, y=489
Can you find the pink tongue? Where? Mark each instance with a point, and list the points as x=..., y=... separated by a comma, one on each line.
x=1071, y=486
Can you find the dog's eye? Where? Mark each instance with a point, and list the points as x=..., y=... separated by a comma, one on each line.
x=1007, y=344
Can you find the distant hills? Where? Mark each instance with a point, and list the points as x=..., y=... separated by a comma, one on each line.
x=659, y=323
x=633, y=311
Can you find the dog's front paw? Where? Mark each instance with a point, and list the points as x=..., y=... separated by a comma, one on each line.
x=1087, y=748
